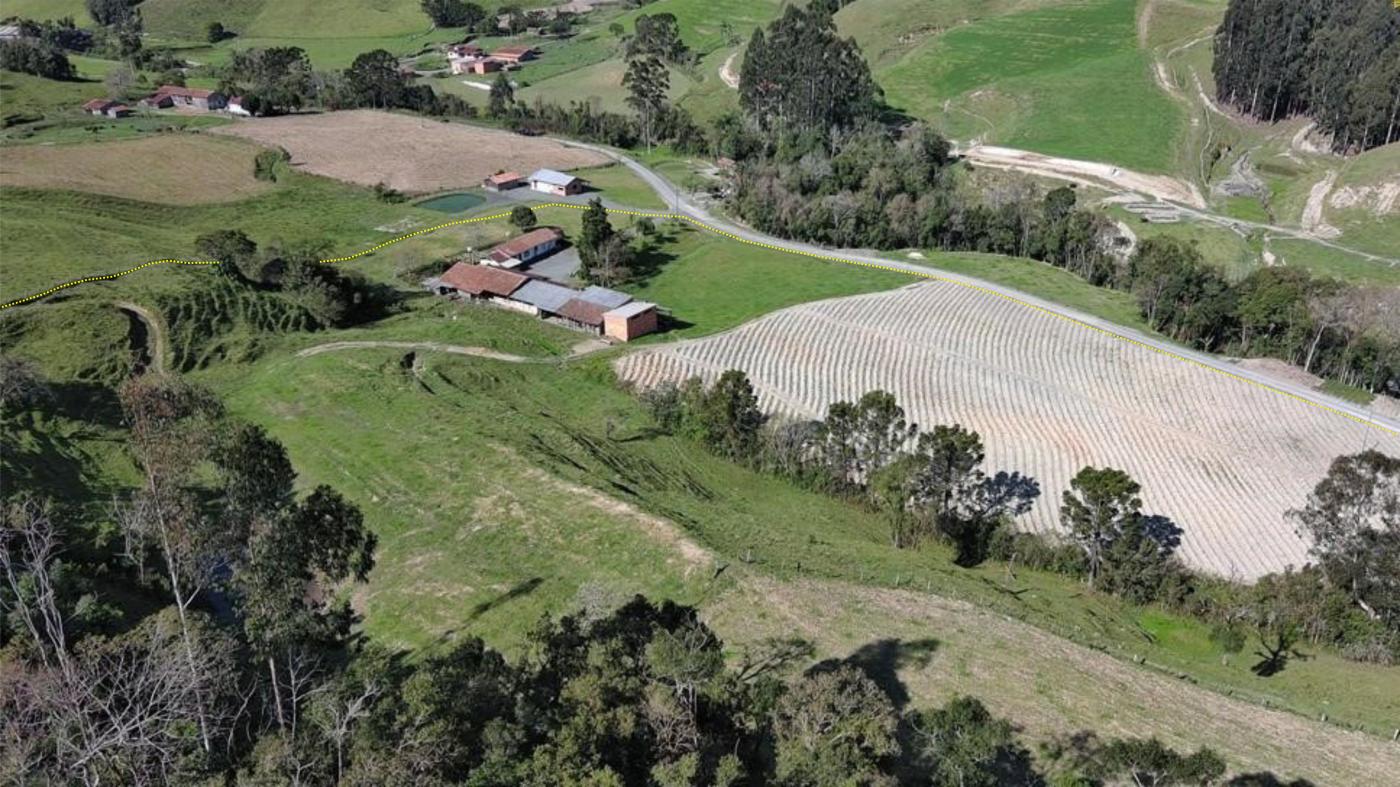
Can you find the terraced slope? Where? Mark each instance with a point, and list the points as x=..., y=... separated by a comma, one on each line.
x=1223, y=458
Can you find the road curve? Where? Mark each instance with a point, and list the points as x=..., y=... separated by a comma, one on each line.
x=680, y=204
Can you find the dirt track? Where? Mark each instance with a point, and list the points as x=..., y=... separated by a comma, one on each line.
x=1089, y=172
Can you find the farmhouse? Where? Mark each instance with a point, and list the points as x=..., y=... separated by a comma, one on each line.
x=106, y=108
x=174, y=95
x=514, y=54
x=502, y=181
x=597, y=310
x=630, y=320
x=480, y=282
x=525, y=248
x=556, y=183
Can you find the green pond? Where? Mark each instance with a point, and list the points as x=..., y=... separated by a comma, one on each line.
x=452, y=203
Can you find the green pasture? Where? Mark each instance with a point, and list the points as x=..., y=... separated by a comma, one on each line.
x=1066, y=79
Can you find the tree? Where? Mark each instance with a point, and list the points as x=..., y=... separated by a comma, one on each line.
x=1147, y=762
x=216, y=32
x=39, y=58
x=374, y=80
x=731, y=416
x=21, y=384
x=453, y=13
x=169, y=423
x=595, y=230
x=949, y=488
x=522, y=218
x=235, y=250
x=1352, y=519
x=834, y=727
x=286, y=590
x=1097, y=507
x=612, y=264
x=963, y=745
x=647, y=80
x=109, y=13
x=272, y=80
x=502, y=95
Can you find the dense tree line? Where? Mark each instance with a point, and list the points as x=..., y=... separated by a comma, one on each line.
x=271, y=81
x=1345, y=332
x=36, y=56
x=1335, y=60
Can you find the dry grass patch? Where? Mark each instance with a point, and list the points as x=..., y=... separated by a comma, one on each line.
x=938, y=648
x=407, y=153
x=172, y=169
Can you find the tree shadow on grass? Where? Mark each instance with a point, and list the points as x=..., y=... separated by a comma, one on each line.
x=881, y=661
x=520, y=590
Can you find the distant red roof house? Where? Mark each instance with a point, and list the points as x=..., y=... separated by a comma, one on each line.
x=466, y=50
x=530, y=246
x=584, y=313
x=486, y=65
x=103, y=107
x=502, y=181
x=482, y=281
x=167, y=95
x=514, y=54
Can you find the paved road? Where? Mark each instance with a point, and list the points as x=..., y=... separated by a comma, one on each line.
x=680, y=204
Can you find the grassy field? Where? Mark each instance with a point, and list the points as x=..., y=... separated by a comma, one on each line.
x=617, y=183
x=154, y=169
x=1067, y=79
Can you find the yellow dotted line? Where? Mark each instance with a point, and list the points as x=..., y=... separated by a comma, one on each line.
x=50, y=291
x=773, y=247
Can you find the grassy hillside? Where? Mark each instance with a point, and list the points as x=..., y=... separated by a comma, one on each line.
x=1067, y=79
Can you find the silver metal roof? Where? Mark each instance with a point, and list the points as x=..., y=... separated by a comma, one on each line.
x=553, y=177
x=544, y=295
x=608, y=299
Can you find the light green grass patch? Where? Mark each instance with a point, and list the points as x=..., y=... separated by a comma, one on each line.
x=618, y=184
x=1079, y=85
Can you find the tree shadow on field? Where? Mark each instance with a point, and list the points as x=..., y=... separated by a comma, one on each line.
x=881, y=661
x=520, y=590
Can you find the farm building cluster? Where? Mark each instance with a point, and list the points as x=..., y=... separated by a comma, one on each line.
x=546, y=181
x=472, y=59
x=496, y=280
x=171, y=97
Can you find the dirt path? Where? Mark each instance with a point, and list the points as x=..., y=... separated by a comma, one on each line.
x=580, y=349
x=1311, y=221
x=726, y=71
x=157, y=347
x=1162, y=187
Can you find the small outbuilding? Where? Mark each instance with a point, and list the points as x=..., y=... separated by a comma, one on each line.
x=629, y=321
x=559, y=184
x=501, y=181
x=485, y=65
x=526, y=248
x=103, y=107
x=582, y=314
x=514, y=54
x=235, y=107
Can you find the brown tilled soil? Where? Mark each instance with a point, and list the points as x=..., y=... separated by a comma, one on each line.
x=939, y=648
x=407, y=153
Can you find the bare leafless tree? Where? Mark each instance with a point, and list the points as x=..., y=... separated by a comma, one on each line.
x=28, y=548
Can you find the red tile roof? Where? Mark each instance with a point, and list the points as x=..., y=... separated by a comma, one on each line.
x=513, y=52
x=98, y=103
x=483, y=279
x=505, y=177
x=582, y=311
x=517, y=246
